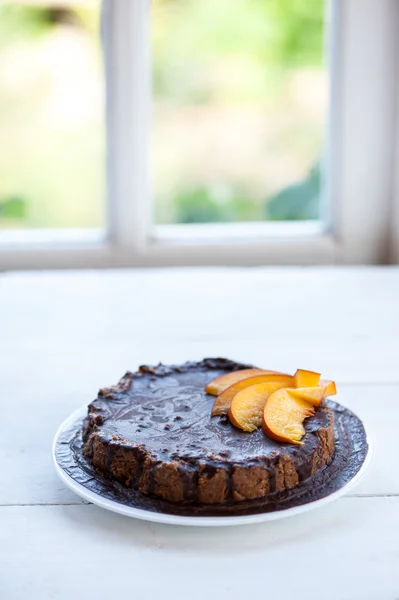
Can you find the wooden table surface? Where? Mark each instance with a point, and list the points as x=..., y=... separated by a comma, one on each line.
x=63, y=335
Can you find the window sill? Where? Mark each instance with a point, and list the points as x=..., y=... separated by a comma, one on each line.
x=222, y=233
x=186, y=245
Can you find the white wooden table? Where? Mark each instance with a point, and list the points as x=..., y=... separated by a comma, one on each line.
x=63, y=335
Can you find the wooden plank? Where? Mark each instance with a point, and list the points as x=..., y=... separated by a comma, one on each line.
x=85, y=366
x=343, y=323
x=348, y=551
x=377, y=406
x=64, y=335
x=27, y=435
x=187, y=304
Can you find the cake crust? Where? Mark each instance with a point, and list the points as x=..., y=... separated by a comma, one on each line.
x=154, y=432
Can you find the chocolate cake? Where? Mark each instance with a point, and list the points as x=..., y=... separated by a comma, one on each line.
x=153, y=432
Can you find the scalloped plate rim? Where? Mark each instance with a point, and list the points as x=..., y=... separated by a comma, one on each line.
x=223, y=521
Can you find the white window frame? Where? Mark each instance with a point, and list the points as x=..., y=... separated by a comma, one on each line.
x=362, y=223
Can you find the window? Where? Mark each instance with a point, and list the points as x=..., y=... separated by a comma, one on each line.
x=51, y=116
x=243, y=132
x=239, y=110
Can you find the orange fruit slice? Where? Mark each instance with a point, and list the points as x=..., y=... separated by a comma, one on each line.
x=303, y=378
x=218, y=385
x=329, y=386
x=313, y=395
x=247, y=406
x=283, y=416
x=223, y=401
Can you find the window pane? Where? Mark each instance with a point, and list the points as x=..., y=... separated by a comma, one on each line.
x=51, y=115
x=240, y=98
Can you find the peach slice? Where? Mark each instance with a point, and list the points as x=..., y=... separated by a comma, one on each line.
x=247, y=407
x=283, y=416
x=305, y=378
x=313, y=395
x=329, y=386
x=218, y=385
x=223, y=401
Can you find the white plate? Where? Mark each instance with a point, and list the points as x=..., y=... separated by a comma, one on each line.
x=145, y=515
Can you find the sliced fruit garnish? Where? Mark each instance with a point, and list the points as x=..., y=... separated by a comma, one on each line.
x=218, y=385
x=223, y=401
x=305, y=378
x=283, y=416
x=247, y=406
x=329, y=386
x=313, y=395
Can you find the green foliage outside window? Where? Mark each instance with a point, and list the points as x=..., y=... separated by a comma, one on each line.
x=278, y=35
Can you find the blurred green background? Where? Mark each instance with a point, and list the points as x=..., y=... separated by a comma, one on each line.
x=240, y=97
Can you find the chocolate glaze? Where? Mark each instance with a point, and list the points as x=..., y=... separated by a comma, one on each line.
x=170, y=420
x=349, y=455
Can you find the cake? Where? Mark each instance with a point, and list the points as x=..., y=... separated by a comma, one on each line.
x=154, y=432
